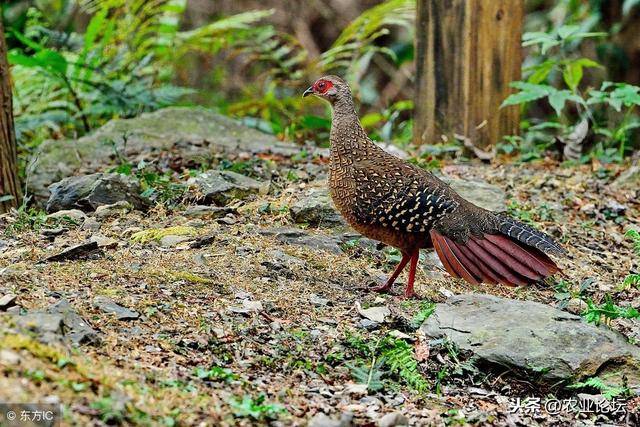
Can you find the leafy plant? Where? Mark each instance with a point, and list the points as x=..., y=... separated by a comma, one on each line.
x=425, y=311
x=256, y=408
x=607, y=390
x=398, y=357
x=110, y=410
x=121, y=66
x=388, y=357
x=215, y=373
x=610, y=130
x=633, y=279
x=594, y=313
x=369, y=374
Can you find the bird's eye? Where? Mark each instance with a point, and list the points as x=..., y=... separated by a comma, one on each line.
x=321, y=85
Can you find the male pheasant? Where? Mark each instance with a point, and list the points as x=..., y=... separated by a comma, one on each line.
x=402, y=205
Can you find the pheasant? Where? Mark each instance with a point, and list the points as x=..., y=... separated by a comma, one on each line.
x=397, y=203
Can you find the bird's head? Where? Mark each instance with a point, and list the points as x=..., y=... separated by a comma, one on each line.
x=331, y=88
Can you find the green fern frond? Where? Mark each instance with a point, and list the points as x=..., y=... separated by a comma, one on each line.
x=607, y=390
x=399, y=358
x=634, y=235
x=631, y=280
x=370, y=375
x=357, y=40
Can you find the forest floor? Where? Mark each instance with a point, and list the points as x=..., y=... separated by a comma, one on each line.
x=233, y=321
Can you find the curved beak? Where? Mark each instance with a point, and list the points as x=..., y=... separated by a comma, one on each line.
x=308, y=92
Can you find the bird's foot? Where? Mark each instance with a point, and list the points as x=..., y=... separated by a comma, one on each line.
x=382, y=288
x=410, y=295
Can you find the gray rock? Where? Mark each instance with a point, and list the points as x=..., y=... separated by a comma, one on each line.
x=281, y=263
x=104, y=242
x=629, y=179
x=172, y=240
x=46, y=326
x=74, y=214
x=322, y=420
x=481, y=193
x=200, y=211
x=91, y=224
x=220, y=187
x=576, y=306
x=81, y=251
x=368, y=324
x=7, y=301
x=185, y=134
x=393, y=149
x=107, y=305
x=8, y=357
x=87, y=192
x=75, y=327
x=296, y=236
x=393, y=419
x=318, y=301
x=114, y=209
x=315, y=208
x=532, y=338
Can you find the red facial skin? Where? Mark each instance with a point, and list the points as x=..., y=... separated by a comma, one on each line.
x=321, y=86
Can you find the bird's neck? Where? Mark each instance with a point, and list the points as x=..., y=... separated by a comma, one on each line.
x=349, y=140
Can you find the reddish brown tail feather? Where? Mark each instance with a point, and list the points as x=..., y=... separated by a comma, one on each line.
x=493, y=259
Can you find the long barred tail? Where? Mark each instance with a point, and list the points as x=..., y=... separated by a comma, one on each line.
x=529, y=236
x=516, y=255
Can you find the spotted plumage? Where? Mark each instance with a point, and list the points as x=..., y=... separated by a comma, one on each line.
x=402, y=205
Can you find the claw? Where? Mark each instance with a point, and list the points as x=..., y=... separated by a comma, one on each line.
x=382, y=288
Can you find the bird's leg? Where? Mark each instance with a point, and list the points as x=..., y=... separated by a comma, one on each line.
x=394, y=276
x=408, y=292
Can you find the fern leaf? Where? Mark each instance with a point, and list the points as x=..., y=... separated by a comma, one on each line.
x=358, y=38
x=634, y=235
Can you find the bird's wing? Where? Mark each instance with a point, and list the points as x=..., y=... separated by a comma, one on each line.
x=397, y=197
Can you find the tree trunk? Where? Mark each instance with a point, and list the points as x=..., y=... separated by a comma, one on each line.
x=467, y=53
x=9, y=185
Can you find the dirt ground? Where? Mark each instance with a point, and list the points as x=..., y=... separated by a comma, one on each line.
x=243, y=329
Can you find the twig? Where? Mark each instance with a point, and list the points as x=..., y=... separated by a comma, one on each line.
x=481, y=154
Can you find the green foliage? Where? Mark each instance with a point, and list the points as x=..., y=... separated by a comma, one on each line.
x=354, y=48
x=387, y=358
x=215, y=373
x=634, y=235
x=557, y=77
x=122, y=65
x=595, y=313
x=369, y=374
x=284, y=64
x=159, y=187
x=560, y=37
x=425, y=311
x=110, y=410
x=399, y=359
x=632, y=279
x=256, y=408
x=607, y=390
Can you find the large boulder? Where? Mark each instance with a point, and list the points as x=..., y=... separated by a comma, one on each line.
x=534, y=339
x=183, y=135
x=87, y=192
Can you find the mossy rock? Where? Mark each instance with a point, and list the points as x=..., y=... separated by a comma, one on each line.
x=186, y=135
x=541, y=342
